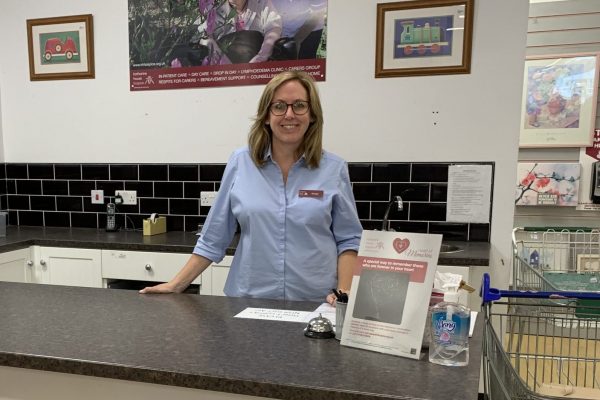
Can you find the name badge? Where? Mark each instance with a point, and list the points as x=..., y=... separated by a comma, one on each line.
x=315, y=194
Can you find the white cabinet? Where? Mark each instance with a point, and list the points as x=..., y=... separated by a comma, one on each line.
x=143, y=266
x=216, y=274
x=16, y=266
x=66, y=266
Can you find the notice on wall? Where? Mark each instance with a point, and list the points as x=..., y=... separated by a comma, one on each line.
x=469, y=193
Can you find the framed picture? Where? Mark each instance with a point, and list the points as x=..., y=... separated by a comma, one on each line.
x=558, y=108
x=61, y=47
x=588, y=263
x=424, y=37
x=547, y=184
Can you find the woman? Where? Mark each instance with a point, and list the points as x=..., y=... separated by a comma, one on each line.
x=300, y=232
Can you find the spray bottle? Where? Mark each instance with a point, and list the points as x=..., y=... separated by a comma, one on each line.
x=450, y=320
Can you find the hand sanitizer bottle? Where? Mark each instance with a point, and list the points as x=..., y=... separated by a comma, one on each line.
x=450, y=322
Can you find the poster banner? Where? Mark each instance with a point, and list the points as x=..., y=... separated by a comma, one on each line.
x=176, y=44
x=391, y=288
x=588, y=156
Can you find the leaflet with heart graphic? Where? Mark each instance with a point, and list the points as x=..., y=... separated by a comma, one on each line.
x=391, y=287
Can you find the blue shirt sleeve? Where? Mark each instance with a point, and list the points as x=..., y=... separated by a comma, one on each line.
x=220, y=225
x=346, y=226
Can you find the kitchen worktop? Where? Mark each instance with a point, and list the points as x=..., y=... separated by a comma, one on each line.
x=195, y=342
x=471, y=254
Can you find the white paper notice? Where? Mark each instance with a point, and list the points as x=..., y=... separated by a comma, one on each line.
x=469, y=188
x=274, y=314
x=472, y=325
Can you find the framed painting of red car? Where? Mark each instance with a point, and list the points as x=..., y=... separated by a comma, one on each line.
x=424, y=37
x=61, y=47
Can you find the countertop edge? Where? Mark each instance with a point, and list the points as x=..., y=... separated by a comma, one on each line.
x=179, y=379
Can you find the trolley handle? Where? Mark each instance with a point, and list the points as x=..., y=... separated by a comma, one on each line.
x=489, y=294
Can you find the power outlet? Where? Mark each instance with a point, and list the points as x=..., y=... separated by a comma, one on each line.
x=129, y=196
x=207, y=199
x=97, y=196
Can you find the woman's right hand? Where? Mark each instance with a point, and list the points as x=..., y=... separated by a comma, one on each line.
x=160, y=289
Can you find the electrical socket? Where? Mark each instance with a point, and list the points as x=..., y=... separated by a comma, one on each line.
x=97, y=196
x=129, y=196
x=207, y=199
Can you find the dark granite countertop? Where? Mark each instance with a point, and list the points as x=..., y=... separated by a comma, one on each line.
x=194, y=341
x=471, y=254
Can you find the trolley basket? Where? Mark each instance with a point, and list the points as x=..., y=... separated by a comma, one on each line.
x=540, y=344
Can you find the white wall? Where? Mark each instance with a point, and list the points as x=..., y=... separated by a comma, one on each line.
x=367, y=119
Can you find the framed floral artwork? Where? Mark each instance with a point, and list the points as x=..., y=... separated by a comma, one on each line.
x=547, y=184
x=61, y=47
x=424, y=37
x=559, y=101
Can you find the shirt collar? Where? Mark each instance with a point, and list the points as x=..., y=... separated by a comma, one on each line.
x=269, y=156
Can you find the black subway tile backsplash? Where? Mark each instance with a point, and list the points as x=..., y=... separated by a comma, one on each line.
x=211, y=172
x=429, y=173
x=29, y=187
x=58, y=188
x=95, y=172
x=47, y=203
x=171, y=190
x=61, y=219
x=16, y=171
x=41, y=171
x=183, y=172
x=154, y=172
x=67, y=171
x=122, y=172
x=360, y=172
x=394, y=172
x=371, y=191
x=59, y=195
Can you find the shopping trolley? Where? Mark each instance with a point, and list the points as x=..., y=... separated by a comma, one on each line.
x=540, y=344
x=553, y=259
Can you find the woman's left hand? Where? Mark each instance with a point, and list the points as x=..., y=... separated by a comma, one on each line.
x=331, y=299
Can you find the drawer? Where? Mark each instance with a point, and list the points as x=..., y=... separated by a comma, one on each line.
x=143, y=266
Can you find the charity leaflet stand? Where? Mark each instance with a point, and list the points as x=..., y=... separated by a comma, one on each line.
x=391, y=288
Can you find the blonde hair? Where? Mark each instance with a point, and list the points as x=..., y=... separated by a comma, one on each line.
x=259, y=138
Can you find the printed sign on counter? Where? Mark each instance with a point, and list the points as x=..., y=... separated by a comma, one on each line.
x=391, y=288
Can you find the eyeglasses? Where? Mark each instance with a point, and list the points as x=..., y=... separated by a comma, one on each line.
x=299, y=107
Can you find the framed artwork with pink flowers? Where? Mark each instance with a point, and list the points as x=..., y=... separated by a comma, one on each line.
x=547, y=184
x=559, y=101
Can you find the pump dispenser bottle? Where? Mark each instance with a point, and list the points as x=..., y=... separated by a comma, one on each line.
x=450, y=322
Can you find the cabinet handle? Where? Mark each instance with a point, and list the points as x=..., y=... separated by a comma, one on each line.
x=29, y=263
x=42, y=262
x=148, y=267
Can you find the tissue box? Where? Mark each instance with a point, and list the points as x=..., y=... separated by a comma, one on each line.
x=154, y=228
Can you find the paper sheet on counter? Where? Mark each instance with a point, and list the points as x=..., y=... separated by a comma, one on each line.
x=272, y=314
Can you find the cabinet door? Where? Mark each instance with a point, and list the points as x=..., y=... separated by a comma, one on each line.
x=70, y=267
x=15, y=266
x=214, y=277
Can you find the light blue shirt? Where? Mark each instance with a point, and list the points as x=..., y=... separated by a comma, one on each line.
x=291, y=234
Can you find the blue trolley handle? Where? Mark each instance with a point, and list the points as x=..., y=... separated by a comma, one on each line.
x=489, y=294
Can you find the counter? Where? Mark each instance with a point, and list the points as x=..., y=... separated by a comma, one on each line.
x=192, y=341
x=472, y=253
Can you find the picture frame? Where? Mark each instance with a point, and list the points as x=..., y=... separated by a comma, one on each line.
x=424, y=37
x=558, y=107
x=588, y=263
x=61, y=47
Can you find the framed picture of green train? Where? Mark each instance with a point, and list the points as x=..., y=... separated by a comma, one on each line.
x=424, y=37
x=61, y=47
